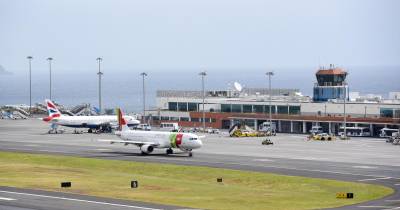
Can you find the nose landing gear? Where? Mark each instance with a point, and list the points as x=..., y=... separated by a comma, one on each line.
x=169, y=151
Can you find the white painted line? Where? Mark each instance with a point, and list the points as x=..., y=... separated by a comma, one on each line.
x=79, y=200
x=225, y=163
x=264, y=160
x=397, y=184
x=101, y=149
x=386, y=207
x=267, y=166
x=31, y=145
x=362, y=180
x=366, y=167
x=392, y=200
x=7, y=199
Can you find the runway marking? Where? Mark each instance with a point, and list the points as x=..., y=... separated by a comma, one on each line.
x=79, y=200
x=264, y=160
x=7, y=199
x=365, y=167
x=45, y=150
x=397, y=184
x=101, y=149
x=31, y=145
x=392, y=200
x=362, y=180
x=265, y=166
x=377, y=207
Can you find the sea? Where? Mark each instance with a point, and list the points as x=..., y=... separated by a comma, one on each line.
x=123, y=88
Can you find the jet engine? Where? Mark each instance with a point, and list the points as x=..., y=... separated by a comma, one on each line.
x=147, y=149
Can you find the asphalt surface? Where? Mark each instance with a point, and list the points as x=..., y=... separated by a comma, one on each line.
x=359, y=160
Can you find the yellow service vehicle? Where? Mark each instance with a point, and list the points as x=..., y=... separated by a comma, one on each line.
x=244, y=131
x=322, y=137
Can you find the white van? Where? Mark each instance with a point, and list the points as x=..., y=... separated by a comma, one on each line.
x=316, y=130
x=173, y=127
x=387, y=132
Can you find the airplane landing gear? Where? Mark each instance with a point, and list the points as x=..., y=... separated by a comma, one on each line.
x=169, y=151
x=190, y=154
x=90, y=130
x=77, y=132
x=54, y=129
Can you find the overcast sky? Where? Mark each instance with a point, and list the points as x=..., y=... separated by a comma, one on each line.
x=193, y=34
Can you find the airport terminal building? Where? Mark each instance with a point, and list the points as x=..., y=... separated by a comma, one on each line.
x=291, y=112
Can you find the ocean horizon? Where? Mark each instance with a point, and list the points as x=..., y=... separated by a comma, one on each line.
x=123, y=88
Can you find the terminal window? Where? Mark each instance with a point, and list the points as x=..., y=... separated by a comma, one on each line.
x=182, y=106
x=247, y=108
x=283, y=110
x=386, y=112
x=185, y=119
x=258, y=108
x=266, y=109
x=192, y=107
x=226, y=108
x=236, y=108
x=172, y=106
x=294, y=110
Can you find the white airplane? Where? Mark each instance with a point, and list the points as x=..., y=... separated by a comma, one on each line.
x=91, y=122
x=149, y=140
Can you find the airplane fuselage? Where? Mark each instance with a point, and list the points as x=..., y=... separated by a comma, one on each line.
x=182, y=141
x=90, y=121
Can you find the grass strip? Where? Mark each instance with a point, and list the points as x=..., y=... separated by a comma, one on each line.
x=189, y=186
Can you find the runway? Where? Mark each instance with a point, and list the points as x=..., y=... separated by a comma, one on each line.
x=24, y=199
x=290, y=155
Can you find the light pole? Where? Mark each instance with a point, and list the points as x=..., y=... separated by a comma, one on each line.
x=203, y=74
x=344, y=111
x=144, y=74
x=99, y=59
x=30, y=83
x=50, y=59
x=365, y=111
x=270, y=74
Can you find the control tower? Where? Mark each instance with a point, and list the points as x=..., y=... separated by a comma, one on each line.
x=331, y=84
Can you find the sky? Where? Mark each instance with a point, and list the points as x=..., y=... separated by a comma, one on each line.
x=161, y=35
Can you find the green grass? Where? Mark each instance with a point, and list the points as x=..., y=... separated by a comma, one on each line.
x=188, y=186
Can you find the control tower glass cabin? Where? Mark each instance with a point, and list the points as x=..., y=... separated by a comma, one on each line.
x=331, y=84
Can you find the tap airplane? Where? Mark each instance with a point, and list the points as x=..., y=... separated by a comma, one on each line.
x=91, y=122
x=147, y=141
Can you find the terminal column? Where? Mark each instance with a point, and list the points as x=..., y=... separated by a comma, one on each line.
x=304, y=127
x=371, y=129
x=291, y=126
x=279, y=126
x=330, y=127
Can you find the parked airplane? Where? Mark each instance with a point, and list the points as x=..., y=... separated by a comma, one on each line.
x=149, y=140
x=100, y=122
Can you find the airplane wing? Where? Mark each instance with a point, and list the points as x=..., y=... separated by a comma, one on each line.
x=137, y=143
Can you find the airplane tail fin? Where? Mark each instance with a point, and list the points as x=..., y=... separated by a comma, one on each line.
x=122, y=124
x=52, y=110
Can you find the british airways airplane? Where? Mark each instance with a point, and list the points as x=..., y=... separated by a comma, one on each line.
x=91, y=122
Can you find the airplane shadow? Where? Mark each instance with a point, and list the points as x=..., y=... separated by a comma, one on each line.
x=133, y=154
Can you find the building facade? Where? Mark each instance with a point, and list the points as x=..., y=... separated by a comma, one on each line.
x=292, y=112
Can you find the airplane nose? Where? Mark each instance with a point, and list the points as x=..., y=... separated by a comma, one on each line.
x=199, y=144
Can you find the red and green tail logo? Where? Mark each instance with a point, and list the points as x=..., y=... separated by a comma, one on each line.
x=175, y=139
